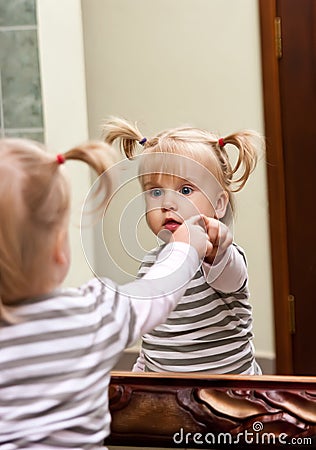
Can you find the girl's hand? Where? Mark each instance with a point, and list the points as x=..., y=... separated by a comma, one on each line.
x=220, y=237
x=193, y=232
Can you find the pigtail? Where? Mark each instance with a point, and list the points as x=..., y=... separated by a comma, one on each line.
x=46, y=178
x=100, y=157
x=248, y=143
x=127, y=134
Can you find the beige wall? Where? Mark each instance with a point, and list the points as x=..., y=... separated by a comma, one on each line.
x=64, y=102
x=162, y=63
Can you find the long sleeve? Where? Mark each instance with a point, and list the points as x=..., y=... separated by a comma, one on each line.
x=156, y=294
x=229, y=273
x=139, y=365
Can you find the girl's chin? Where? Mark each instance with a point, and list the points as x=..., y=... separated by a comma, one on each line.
x=165, y=235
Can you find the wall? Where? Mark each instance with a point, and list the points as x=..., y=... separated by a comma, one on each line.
x=42, y=93
x=64, y=105
x=168, y=62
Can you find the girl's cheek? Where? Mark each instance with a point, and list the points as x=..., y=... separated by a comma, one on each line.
x=189, y=208
x=151, y=221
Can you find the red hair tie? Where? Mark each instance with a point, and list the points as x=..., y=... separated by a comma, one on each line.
x=221, y=142
x=60, y=158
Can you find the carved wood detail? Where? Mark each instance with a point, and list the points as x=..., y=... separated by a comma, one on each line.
x=205, y=411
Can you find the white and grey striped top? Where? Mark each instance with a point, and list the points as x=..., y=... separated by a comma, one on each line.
x=56, y=357
x=210, y=330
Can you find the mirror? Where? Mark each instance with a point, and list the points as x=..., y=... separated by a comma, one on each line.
x=162, y=65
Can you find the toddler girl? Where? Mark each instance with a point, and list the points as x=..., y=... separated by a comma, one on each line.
x=183, y=172
x=58, y=345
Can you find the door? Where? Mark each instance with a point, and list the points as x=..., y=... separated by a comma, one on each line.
x=288, y=30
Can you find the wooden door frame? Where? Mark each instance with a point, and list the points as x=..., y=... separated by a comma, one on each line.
x=276, y=187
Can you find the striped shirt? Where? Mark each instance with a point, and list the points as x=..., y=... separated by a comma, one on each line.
x=210, y=330
x=56, y=356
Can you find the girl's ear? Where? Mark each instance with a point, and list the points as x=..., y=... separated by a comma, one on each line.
x=61, y=249
x=221, y=204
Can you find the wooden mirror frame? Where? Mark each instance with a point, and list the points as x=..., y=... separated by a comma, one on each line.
x=212, y=411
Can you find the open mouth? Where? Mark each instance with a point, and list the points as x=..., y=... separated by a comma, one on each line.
x=171, y=224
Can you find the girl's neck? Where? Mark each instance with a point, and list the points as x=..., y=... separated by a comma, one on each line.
x=31, y=292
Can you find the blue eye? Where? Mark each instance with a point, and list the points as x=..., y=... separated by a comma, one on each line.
x=186, y=190
x=155, y=192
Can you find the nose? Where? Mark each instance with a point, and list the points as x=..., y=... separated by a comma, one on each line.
x=169, y=201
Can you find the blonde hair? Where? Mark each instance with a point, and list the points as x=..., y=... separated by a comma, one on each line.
x=200, y=145
x=34, y=202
